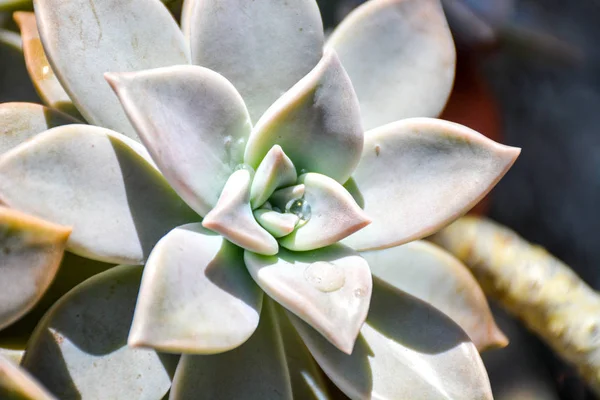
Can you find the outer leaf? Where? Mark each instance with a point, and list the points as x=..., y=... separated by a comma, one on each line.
x=406, y=350
x=12, y=355
x=42, y=75
x=196, y=296
x=276, y=170
x=307, y=379
x=256, y=370
x=72, y=271
x=193, y=122
x=329, y=288
x=232, y=217
x=92, y=179
x=429, y=273
x=22, y=121
x=17, y=384
x=84, y=39
x=400, y=57
x=417, y=175
x=263, y=47
x=317, y=123
x=31, y=253
x=83, y=337
x=333, y=215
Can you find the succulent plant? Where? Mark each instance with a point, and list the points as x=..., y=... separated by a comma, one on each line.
x=265, y=192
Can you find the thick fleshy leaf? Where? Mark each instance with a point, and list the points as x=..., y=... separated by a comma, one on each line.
x=232, y=217
x=329, y=288
x=276, y=170
x=31, y=253
x=429, y=273
x=331, y=214
x=305, y=375
x=276, y=223
x=96, y=181
x=317, y=123
x=194, y=124
x=12, y=355
x=72, y=271
x=83, y=39
x=40, y=71
x=196, y=296
x=406, y=350
x=282, y=197
x=400, y=57
x=22, y=121
x=79, y=349
x=417, y=175
x=256, y=370
x=17, y=384
x=263, y=47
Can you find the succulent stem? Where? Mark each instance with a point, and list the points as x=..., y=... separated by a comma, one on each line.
x=534, y=286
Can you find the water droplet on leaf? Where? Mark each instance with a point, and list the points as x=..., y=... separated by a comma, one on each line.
x=325, y=276
x=300, y=208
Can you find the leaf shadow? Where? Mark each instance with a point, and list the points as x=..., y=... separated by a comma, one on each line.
x=155, y=207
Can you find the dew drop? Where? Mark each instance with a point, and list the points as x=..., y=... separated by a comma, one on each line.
x=300, y=208
x=325, y=276
x=227, y=141
x=359, y=292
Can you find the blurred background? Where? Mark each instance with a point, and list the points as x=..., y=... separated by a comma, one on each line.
x=528, y=75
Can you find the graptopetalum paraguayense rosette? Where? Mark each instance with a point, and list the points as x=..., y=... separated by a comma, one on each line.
x=255, y=198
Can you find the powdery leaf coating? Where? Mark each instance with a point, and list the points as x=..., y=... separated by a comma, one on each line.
x=329, y=288
x=262, y=46
x=316, y=123
x=256, y=370
x=427, y=272
x=22, y=121
x=232, y=217
x=419, y=174
x=400, y=57
x=276, y=170
x=84, y=337
x=100, y=183
x=38, y=66
x=84, y=39
x=30, y=253
x=334, y=215
x=406, y=350
x=197, y=131
x=196, y=296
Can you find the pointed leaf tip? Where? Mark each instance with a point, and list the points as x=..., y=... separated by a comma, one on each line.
x=194, y=124
x=316, y=122
x=333, y=215
x=419, y=174
x=329, y=288
x=232, y=217
x=427, y=272
x=196, y=297
x=400, y=57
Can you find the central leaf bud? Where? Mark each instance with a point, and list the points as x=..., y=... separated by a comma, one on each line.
x=260, y=210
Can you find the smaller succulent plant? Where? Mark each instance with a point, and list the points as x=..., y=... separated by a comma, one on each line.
x=276, y=165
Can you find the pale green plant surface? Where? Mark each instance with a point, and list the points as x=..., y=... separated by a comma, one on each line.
x=233, y=163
